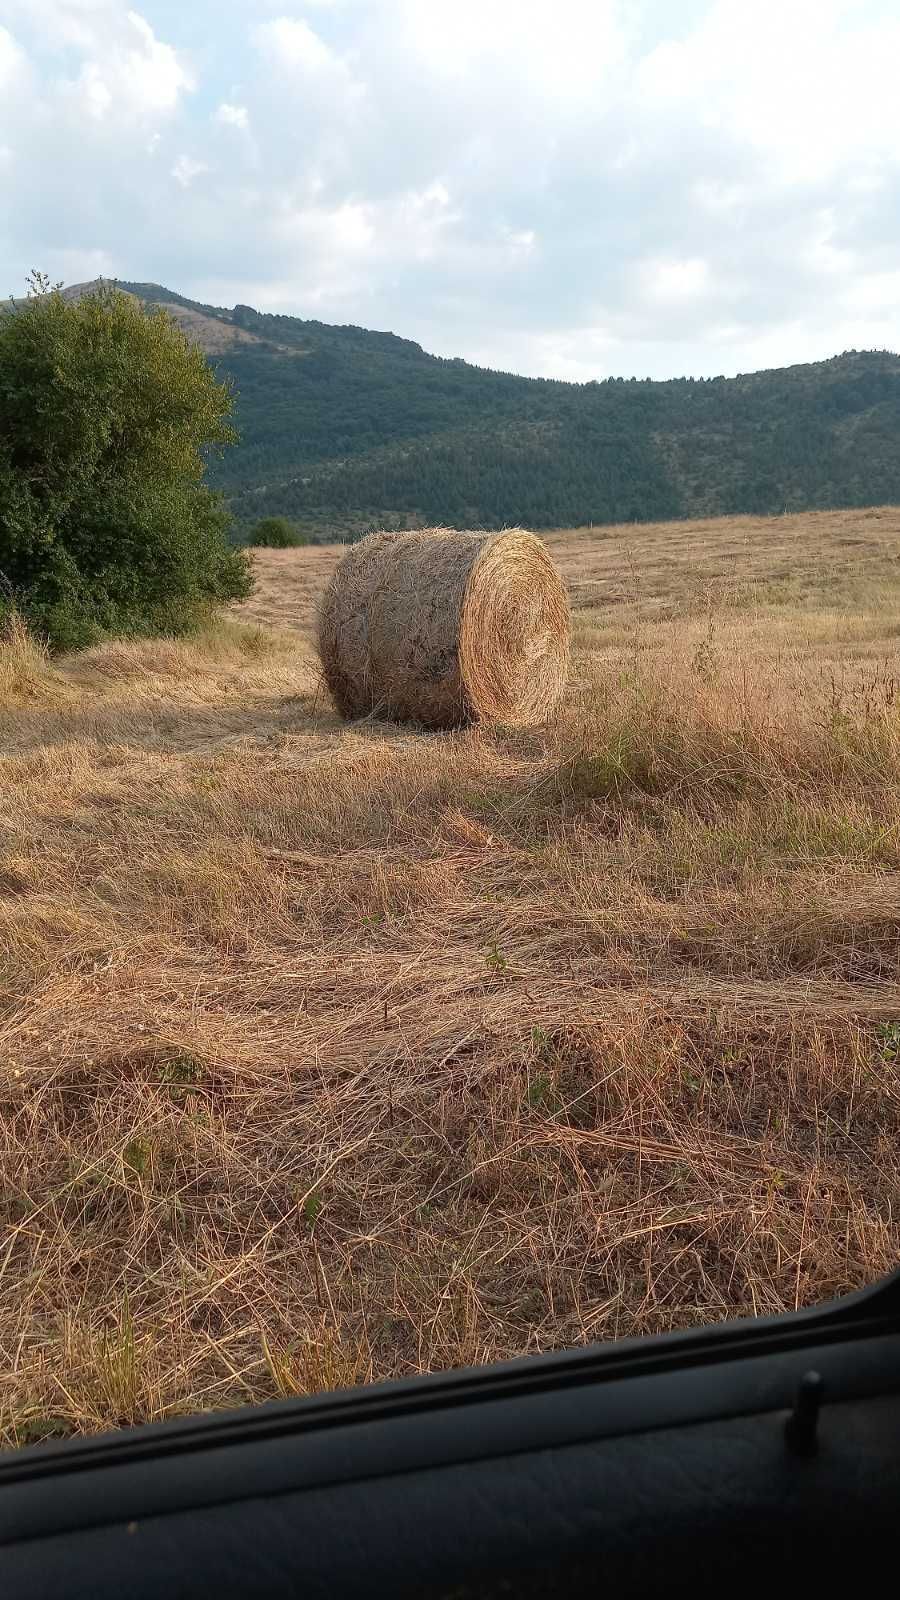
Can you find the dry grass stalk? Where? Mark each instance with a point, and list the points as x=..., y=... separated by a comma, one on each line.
x=25, y=670
x=444, y=628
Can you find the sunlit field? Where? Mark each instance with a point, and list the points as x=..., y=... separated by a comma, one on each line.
x=330, y=1054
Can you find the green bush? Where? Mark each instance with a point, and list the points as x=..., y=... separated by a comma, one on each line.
x=277, y=533
x=107, y=415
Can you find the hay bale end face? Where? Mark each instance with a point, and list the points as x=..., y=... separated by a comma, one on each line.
x=444, y=628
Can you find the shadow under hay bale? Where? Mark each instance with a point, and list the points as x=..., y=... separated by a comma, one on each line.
x=444, y=628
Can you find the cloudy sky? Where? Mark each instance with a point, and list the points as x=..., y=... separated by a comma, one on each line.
x=570, y=188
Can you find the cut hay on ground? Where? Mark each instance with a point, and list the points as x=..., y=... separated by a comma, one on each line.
x=444, y=628
x=332, y=1052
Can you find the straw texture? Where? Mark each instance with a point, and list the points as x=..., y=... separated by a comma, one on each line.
x=442, y=628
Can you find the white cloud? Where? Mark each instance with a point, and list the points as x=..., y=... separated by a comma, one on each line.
x=875, y=294
x=12, y=59
x=304, y=78
x=867, y=183
x=673, y=281
x=822, y=254
x=436, y=194
x=808, y=83
x=560, y=50
x=592, y=186
x=232, y=116
x=520, y=242
x=81, y=266
x=186, y=170
x=290, y=42
x=721, y=198
x=94, y=90
x=64, y=22
x=129, y=74
x=151, y=71
x=347, y=231
x=15, y=82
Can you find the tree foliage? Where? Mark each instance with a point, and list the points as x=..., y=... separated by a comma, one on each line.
x=107, y=417
x=344, y=429
x=277, y=534
x=394, y=435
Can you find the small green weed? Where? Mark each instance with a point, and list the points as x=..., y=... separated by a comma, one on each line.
x=546, y=1047
x=494, y=959
x=887, y=1035
x=138, y=1154
x=610, y=773
x=37, y=1428
x=182, y=1075
x=542, y=1091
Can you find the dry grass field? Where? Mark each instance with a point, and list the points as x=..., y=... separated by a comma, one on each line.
x=334, y=1053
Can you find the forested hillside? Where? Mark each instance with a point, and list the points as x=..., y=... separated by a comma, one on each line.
x=343, y=428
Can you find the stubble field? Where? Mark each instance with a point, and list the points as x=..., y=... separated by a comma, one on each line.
x=335, y=1053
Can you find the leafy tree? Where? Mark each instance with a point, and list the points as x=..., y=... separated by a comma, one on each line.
x=107, y=415
x=277, y=533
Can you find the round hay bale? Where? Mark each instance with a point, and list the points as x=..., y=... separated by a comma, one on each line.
x=444, y=628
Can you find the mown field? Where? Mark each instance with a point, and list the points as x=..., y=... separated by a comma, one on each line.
x=330, y=1054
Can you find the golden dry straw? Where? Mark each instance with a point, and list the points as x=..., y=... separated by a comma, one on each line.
x=443, y=628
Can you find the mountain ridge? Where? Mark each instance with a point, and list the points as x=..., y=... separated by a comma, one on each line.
x=345, y=427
